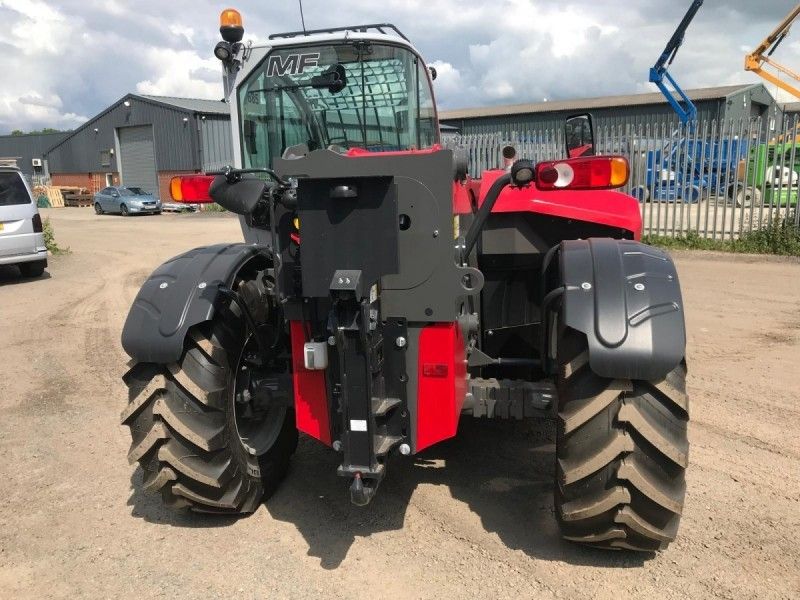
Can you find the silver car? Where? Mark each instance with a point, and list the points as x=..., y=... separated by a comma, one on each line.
x=21, y=231
x=126, y=201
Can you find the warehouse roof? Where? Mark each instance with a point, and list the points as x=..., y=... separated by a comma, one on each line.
x=195, y=105
x=711, y=93
x=189, y=105
x=24, y=136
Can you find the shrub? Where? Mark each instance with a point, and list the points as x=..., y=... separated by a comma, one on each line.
x=50, y=240
x=780, y=236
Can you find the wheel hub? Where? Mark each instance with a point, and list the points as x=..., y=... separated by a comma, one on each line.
x=258, y=401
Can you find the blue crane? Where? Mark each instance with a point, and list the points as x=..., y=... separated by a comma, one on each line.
x=687, y=112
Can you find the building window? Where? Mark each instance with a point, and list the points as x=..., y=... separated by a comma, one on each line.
x=105, y=158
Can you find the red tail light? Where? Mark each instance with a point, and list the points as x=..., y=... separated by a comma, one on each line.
x=590, y=173
x=191, y=188
x=37, y=223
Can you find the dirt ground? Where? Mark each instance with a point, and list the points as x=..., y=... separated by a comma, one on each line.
x=471, y=518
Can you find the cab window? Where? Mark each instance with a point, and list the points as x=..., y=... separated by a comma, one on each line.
x=382, y=102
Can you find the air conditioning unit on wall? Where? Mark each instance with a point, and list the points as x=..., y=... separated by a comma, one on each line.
x=36, y=162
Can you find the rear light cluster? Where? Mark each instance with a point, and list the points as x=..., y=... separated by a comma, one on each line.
x=591, y=173
x=37, y=224
x=191, y=188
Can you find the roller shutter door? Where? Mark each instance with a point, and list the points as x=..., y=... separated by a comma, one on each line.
x=138, y=158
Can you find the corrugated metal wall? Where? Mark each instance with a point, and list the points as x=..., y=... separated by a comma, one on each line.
x=603, y=117
x=216, y=143
x=27, y=147
x=176, y=141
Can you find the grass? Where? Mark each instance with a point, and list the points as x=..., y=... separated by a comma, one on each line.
x=213, y=207
x=50, y=239
x=781, y=236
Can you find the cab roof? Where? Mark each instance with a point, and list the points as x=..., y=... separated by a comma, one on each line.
x=377, y=32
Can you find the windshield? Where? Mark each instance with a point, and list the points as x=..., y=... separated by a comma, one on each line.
x=137, y=191
x=382, y=102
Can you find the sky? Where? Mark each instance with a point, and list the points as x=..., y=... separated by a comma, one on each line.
x=63, y=61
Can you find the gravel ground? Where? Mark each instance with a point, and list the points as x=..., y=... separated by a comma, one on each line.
x=470, y=518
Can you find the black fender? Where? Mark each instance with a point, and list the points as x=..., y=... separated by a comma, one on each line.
x=625, y=296
x=178, y=295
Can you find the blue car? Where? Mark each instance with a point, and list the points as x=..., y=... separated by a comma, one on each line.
x=126, y=201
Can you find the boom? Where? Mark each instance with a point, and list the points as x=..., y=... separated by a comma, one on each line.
x=757, y=59
x=686, y=111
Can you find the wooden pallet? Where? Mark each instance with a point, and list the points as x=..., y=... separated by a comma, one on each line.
x=55, y=197
x=79, y=200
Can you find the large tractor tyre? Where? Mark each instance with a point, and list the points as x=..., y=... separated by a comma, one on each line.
x=622, y=451
x=203, y=441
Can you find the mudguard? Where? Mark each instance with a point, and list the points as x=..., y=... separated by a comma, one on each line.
x=626, y=298
x=179, y=294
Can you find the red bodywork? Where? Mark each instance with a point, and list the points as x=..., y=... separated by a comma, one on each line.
x=441, y=359
x=310, y=391
x=441, y=382
x=603, y=207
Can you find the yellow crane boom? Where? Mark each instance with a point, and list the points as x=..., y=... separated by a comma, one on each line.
x=760, y=57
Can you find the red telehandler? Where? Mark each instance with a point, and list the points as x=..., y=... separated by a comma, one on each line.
x=381, y=294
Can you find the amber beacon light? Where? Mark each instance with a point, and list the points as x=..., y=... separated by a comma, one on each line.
x=230, y=25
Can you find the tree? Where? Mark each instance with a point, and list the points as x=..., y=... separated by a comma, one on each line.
x=35, y=131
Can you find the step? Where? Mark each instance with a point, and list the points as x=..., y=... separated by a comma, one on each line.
x=384, y=443
x=381, y=406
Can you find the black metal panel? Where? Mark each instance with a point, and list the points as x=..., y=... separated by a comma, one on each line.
x=347, y=233
x=179, y=294
x=429, y=285
x=626, y=298
x=396, y=422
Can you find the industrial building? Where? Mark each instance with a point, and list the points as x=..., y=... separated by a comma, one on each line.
x=143, y=141
x=716, y=103
x=29, y=150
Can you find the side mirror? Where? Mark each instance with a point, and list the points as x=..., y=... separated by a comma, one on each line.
x=579, y=136
x=115, y=194
x=334, y=78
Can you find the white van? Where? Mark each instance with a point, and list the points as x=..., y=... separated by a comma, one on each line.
x=21, y=232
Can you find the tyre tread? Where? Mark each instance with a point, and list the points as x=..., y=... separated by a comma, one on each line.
x=179, y=423
x=622, y=452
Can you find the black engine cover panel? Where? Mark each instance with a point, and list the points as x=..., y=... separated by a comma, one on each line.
x=358, y=232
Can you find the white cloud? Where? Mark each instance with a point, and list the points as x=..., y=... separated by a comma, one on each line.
x=187, y=32
x=68, y=59
x=173, y=75
x=448, y=78
x=36, y=99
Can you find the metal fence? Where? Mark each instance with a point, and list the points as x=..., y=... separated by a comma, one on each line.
x=716, y=179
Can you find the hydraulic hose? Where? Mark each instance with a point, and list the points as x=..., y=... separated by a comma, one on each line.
x=483, y=212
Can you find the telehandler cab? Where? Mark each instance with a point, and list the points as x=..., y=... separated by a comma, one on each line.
x=381, y=294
